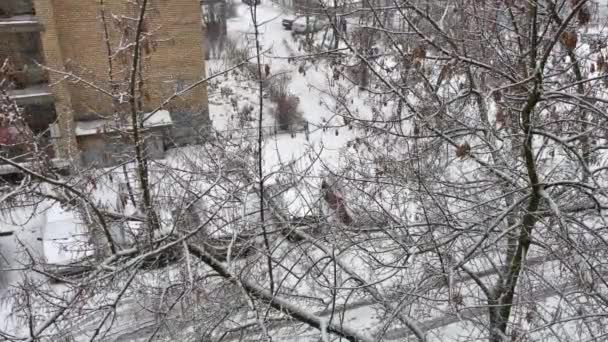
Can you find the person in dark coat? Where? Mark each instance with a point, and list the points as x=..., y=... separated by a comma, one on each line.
x=343, y=25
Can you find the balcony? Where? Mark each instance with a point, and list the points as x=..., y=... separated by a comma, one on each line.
x=32, y=95
x=7, y=169
x=26, y=154
x=20, y=23
x=27, y=80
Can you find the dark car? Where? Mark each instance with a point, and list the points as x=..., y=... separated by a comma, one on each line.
x=288, y=22
x=251, y=2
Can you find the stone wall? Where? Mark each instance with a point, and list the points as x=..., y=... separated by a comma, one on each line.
x=53, y=57
x=173, y=59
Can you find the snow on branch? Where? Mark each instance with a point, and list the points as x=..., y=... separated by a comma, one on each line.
x=275, y=301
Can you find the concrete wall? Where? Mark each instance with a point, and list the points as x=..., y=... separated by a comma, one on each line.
x=110, y=149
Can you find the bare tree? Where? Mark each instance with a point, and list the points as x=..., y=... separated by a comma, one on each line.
x=471, y=192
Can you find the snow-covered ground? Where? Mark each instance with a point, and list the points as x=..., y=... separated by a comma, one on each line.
x=47, y=235
x=56, y=235
x=315, y=89
x=311, y=88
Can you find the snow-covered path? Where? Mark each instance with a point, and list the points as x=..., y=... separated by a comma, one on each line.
x=282, y=148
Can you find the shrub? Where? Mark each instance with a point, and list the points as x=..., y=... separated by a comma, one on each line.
x=235, y=53
x=245, y=113
x=278, y=86
x=251, y=70
x=286, y=112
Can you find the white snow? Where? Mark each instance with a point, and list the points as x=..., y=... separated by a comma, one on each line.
x=30, y=92
x=64, y=239
x=47, y=231
x=94, y=127
x=19, y=20
x=323, y=328
x=56, y=162
x=159, y=118
x=57, y=236
x=14, y=260
x=27, y=232
x=314, y=102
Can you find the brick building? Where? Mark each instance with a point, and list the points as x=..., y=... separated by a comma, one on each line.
x=79, y=98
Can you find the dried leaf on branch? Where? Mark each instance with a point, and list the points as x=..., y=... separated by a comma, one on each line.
x=336, y=202
x=501, y=119
x=569, y=39
x=463, y=150
x=583, y=16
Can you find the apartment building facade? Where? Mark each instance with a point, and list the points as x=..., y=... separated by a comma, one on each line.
x=71, y=65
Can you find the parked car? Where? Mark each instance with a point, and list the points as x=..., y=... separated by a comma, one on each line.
x=288, y=22
x=251, y=2
x=314, y=24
